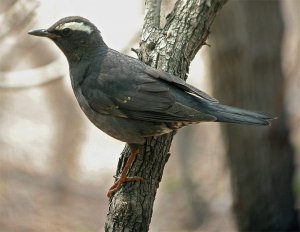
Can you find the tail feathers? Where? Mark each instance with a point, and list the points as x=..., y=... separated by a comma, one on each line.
x=231, y=114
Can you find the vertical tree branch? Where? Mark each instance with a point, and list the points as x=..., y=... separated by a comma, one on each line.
x=170, y=48
x=152, y=16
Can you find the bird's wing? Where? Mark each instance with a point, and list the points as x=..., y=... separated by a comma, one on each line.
x=138, y=97
x=176, y=81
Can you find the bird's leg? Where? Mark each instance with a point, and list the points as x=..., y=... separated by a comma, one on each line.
x=123, y=177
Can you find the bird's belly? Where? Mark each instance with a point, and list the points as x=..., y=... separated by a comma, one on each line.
x=124, y=129
x=128, y=130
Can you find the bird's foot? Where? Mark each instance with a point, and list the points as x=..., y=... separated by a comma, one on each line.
x=120, y=181
x=123, y=177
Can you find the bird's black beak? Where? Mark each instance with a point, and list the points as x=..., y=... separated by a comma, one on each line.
x=43, y=33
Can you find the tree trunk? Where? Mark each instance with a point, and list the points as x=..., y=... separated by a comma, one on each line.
x=170, y=48
x=246, y=69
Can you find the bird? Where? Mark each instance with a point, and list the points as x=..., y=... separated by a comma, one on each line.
x=128, y=99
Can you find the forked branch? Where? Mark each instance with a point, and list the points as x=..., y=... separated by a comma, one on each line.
x=170, y=48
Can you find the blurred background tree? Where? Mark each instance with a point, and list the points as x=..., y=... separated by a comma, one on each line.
x=246, y=70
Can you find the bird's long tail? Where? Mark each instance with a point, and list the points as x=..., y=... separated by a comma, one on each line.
x=231, y=114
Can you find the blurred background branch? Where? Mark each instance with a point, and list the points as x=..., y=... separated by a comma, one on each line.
x=246, y=65
x=16, y=15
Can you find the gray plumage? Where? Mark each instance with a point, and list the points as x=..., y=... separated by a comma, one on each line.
x=128, y=99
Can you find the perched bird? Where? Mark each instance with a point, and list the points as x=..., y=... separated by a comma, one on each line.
x=128, y=99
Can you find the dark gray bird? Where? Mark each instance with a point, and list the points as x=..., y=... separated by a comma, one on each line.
x=128, y=99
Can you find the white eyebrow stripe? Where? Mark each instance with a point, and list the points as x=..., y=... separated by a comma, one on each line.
x=75, y=26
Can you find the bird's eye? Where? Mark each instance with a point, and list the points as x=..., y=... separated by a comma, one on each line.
x=66, y=31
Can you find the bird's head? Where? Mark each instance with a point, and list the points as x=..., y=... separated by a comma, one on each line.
x=76, y=36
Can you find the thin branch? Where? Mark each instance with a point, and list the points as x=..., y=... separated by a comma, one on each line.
x=134, y=40
x=152, y=17
x=33, y=77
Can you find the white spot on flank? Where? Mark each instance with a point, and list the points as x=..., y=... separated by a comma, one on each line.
x=75, y=26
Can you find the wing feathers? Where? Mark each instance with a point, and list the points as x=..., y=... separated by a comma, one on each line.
x=178, y=82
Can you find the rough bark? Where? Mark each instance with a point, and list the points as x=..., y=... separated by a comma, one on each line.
x=246, y=69
x=171, y=48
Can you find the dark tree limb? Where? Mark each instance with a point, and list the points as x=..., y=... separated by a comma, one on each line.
x=170, y=48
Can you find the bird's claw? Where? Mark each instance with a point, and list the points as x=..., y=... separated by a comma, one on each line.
x=119, y=182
